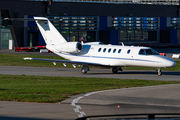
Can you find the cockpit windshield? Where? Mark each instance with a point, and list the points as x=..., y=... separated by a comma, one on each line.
x=148, y=52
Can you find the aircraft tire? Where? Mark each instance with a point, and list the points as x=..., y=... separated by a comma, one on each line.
x=83, y=71
x=114, y=70
x=159, y=72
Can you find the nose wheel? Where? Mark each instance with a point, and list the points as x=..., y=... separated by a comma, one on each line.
x=159, y=71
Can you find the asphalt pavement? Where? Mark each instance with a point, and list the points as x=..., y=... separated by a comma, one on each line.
x=94, y=73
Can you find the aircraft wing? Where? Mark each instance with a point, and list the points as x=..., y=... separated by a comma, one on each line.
x=66, y=61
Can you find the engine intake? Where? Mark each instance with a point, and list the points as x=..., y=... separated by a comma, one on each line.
x=69, y=47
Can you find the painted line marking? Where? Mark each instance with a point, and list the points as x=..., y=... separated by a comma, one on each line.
x=78, y=107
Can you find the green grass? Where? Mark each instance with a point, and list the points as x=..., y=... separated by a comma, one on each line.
x=17, y=60
x=55, y=89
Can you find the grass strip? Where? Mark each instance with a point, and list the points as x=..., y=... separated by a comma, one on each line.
x=17, y=60
x=55, y=89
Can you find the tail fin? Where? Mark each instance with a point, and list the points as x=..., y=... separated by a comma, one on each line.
x=50, y=34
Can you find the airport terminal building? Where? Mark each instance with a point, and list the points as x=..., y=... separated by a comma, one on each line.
x=108, y=21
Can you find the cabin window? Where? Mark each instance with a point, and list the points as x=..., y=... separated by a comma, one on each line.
x=104, y=50
x=114, y=50
x=109, y=50
x=119, y=51
x=99, y=50
x=128, y=51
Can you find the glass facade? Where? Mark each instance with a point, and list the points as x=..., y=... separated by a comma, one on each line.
x=74, y=23
x=133, y=36
x=74, y=35
x=135, y=23
x=159, y=2
x=76, y=28
x=136, y=29
x=5, y=33
x=175, y=22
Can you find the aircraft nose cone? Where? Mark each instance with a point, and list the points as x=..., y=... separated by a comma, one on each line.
x=170, y=63
x=174, y=63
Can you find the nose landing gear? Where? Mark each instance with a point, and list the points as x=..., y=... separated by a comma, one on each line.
x=159, y=71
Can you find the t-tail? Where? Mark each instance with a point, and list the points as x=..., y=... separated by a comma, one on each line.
x=50, y=34
x=54, y=40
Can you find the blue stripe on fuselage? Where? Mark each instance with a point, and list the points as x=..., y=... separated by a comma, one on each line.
x=108, y=57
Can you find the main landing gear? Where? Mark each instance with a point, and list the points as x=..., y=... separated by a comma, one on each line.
x=116, y=69
x=84, y=69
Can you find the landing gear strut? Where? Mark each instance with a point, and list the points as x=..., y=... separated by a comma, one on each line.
x=116, y=69
x=159, y=71
x=85, y=69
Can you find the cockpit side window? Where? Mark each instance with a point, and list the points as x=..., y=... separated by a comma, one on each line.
x=148, y=52
x=151, y=52
x=142, y=52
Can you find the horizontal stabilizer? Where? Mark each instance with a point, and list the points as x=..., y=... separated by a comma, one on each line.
x=27, y=19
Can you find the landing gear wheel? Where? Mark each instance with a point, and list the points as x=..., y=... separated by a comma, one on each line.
x=115, y=70
x=83, y=71
x=159, y=72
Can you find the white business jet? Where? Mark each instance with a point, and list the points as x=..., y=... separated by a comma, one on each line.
x=97, y=54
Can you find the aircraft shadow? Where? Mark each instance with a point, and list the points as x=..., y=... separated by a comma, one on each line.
x=18, y=118
x=177, y=73
x=150, y=72
x=3, y=89
x=21, y=118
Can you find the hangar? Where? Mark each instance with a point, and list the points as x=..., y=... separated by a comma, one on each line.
x=108, y=21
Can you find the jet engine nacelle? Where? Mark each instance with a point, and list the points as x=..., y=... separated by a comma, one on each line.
x=69, y=47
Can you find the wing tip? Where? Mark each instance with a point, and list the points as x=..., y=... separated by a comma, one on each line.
x=27, y=58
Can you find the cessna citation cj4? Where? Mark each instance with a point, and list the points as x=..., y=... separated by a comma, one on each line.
x=97, y=54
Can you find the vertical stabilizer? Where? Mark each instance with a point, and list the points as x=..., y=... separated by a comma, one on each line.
x=50, y=34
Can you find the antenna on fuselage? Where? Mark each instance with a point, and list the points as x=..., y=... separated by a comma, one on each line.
x=122, y=43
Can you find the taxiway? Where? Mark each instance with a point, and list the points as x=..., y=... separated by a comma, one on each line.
x=97, y=73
